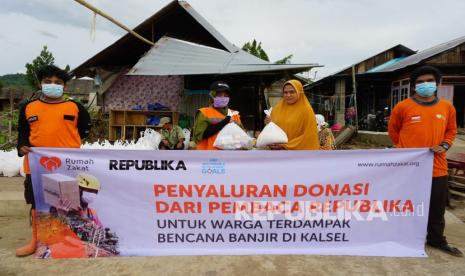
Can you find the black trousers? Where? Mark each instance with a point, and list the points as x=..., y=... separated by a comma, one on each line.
x=28, y=192
x=437, y=209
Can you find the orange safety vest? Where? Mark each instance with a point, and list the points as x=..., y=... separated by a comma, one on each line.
x=52, y=126
x=213, y=115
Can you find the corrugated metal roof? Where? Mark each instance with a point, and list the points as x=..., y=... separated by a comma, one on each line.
x=422, y=55
x=172, y=56
x=384, y=65
x=399, y=47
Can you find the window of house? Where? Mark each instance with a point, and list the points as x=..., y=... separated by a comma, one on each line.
x=400, y=91
x=394, y=96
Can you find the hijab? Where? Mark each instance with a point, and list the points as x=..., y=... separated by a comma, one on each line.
x=297, y=120
x=320, y=121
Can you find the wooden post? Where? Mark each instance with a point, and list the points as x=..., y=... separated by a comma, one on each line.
x=111, y=19
x=261, y=103
x=340, y=91
x=354, y=91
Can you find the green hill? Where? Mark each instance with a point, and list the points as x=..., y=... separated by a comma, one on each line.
x=17, y=81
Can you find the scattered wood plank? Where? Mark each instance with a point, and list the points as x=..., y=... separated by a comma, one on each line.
x=345, y=134
x=457, y=184
x=457, y=193
x=456, y=178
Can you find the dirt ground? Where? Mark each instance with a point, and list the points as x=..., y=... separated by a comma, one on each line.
x=458, y=208
x=14, y=232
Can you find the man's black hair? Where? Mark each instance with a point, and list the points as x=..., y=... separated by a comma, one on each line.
x=425, y=70
x=48, y=71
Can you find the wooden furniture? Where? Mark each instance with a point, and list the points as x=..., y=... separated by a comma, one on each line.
x=127, y=124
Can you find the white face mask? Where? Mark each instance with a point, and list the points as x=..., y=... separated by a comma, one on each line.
x=88, y=197
x=52, y=90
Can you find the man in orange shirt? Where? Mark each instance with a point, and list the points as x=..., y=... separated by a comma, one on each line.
x=426, y=121
x=49, y=121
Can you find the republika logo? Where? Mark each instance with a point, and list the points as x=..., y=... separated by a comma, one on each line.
x=213, y=166
x=50, y=163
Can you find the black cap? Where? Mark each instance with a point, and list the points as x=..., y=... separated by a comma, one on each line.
x=219, y=86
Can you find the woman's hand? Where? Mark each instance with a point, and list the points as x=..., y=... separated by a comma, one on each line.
x=267, y=120
x=276, y=147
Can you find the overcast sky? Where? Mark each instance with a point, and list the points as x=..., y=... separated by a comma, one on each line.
x=334, y=33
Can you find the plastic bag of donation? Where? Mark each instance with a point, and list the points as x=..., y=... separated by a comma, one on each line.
x=271, y=134
x=10, y=163
x=233, y=137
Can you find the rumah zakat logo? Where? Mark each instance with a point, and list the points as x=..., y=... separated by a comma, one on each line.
x=50, y=163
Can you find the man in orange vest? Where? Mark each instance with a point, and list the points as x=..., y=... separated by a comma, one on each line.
x=210, y=120
x=49, y=121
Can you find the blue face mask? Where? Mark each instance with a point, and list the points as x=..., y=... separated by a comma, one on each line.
x=52, y=90
x=426, y=89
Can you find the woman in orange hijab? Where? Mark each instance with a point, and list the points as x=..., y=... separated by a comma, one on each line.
x=295, y=116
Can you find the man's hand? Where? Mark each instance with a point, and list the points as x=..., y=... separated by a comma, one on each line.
x=165, y=142
x=438, y=149
x=276, y=146
x=24, y=150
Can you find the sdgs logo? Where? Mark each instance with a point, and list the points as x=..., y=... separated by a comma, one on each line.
x=50, y=163
x=213, y=166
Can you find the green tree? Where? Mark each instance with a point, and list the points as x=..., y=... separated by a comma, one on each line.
x=1, y=85
x=45, y=58
x=255, y=49
x=284, y=60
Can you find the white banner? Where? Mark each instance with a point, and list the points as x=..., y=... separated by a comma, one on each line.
x=138, y=203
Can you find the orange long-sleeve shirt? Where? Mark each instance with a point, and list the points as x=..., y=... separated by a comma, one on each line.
x=418, y=125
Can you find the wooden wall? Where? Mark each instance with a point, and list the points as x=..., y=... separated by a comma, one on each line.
x=453, y=56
